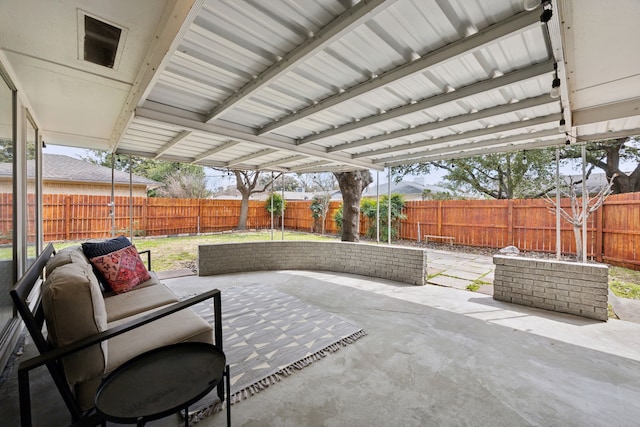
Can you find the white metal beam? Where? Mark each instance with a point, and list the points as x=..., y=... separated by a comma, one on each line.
x=215, y=150
x=251, y=156
x=456, y=120
x=281, y=161
x=185, y=120
x=175, y=21
x=466, y=135
x=533, y=145
x=309, y=166
x=463, y=92
x=603, y=113
x=470, y=144
x=337, y=28
x=605, y=135
x=516, y=24
x=176, y=139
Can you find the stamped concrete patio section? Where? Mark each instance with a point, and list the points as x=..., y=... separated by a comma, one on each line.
x=459, y=270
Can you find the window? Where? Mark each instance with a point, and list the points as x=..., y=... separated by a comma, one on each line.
x=33, y=166
x=7, y=241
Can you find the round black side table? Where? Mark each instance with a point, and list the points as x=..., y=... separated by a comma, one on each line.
x=161, y=382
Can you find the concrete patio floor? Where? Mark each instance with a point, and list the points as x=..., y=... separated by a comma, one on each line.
x=433, y=356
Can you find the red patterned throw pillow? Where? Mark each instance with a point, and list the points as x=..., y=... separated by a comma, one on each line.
x=123, y=269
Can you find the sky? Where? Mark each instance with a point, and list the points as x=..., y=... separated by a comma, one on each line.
x=217, y=178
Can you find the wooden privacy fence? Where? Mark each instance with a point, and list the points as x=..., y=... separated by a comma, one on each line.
x=613, y=231
x=76, y=217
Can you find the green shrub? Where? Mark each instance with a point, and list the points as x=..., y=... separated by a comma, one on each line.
x=279, y=205
x=337, y=217
x=368, y=208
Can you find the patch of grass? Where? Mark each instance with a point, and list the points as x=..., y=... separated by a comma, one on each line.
x=625, y=290
x=624, y=282
x=476, y=284
x=473, y=287
x=610, y=313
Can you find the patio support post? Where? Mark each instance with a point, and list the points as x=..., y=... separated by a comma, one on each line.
x=25, y=398
x=558, y=231
x=585, y=197
x=389, y=206
x=282, y=225
x=130, y=199
x=271, y=205
x=112, y=210
x=378, y=206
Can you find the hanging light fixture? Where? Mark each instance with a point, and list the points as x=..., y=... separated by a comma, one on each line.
x=561, y=125
x=530, y=5
x=555, y=86
x=547, y=13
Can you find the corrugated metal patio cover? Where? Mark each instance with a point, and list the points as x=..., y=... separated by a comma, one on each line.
x=328, y=85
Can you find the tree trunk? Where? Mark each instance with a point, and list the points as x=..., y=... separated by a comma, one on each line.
x=244, y=212
x=352, y=184
x=577, y=233
x=245, y=183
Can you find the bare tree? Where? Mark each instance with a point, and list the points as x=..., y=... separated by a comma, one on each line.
x=578, y=215
x=186, y=185
x=247, y=183
x=318, y=182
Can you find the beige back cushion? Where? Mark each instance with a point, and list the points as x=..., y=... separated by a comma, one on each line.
x=66, y=256
x=74, y=309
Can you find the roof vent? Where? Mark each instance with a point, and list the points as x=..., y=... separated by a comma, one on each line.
x=101, y=41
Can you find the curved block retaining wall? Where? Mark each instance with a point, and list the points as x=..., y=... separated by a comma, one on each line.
x=407, y=265
x=567, y=287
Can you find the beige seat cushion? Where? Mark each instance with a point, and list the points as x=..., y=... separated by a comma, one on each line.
x=185, y=325
x=182, y=326
x=74, y=309
x=137, y=300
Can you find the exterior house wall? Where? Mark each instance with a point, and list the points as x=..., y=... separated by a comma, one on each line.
x=93, y=189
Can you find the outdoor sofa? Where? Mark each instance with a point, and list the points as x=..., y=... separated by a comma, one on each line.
x=92, y=331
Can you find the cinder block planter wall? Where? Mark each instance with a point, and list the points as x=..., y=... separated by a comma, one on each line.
x=567, y=287
x=407, y=265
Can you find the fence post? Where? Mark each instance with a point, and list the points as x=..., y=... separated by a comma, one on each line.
x=510, y=222
x=67, y=218
x=144, y=220
x=439, y=217
x=599, y=249
x=199, y=213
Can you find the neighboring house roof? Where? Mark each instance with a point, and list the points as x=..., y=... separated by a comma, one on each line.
x=595, y=182
x=403, y=187
x=410, y=189
x=234, y=194
x=58, y=167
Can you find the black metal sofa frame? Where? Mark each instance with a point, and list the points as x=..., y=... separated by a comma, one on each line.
x=51, y=357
